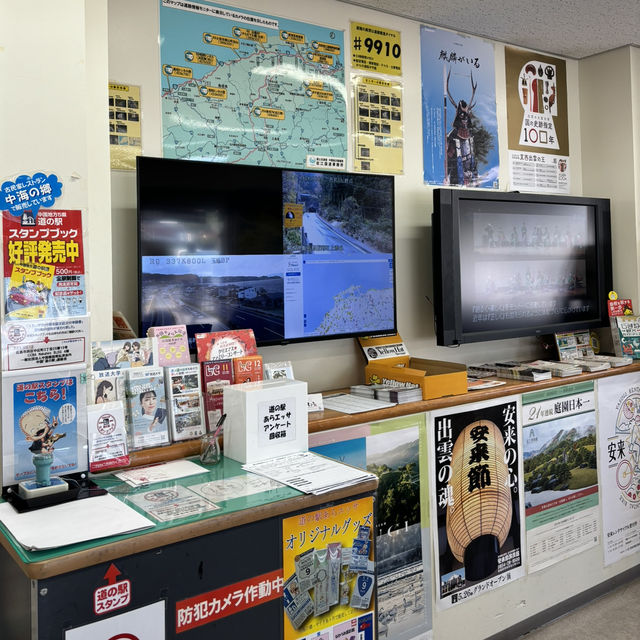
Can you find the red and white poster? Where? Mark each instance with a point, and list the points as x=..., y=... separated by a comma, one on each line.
x=44, y=273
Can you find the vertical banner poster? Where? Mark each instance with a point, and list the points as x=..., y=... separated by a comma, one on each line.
x=477, y=501
x=248, y=88
x=378, y=129
x=560, y=473
x=619, y=447
x=459, y=122
x=125, y=141
x=329, y=572
x=395, y=450
x=537, y=122
x=44, y=265
x=44, y=411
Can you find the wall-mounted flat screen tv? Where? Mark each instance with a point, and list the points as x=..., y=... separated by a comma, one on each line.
x=508, y=265
x=292, y=254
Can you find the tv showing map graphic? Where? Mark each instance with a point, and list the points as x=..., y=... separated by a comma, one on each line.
x=292, y=254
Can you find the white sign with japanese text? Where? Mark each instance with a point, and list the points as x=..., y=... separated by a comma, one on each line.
x=277, y=421
x=46, y=342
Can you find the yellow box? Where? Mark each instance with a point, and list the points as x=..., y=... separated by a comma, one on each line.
x=436, y=378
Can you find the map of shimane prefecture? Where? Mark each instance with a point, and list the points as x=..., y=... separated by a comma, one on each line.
x=247, y=88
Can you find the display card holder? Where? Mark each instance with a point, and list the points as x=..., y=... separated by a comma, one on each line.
x=265, y=419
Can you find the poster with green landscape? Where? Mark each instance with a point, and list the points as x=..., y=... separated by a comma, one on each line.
x=560, y=473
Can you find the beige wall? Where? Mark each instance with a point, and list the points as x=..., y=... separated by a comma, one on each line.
x=52, y=118
x=134, y=59
x=610, y=143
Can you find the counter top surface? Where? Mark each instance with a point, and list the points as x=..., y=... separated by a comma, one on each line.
x=236, y=511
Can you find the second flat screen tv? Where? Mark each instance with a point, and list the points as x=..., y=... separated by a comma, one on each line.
x=509, y=265
x=294, y=255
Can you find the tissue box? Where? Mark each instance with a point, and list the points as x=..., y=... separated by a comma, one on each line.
x=265, y=419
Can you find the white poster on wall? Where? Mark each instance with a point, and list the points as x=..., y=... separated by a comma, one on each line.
x=619, y=450
x=145, y=623
x=560, y=473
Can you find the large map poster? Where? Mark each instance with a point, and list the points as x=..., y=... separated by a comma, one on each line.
x=248, y=88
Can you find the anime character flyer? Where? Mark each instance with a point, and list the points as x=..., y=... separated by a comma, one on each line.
x=459, y=121
x=43, y=413
x=329, y=572
x=477, y=506
x=619, y=450
x=44, y=274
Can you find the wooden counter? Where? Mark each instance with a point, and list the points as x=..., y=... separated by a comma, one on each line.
x=329, y=419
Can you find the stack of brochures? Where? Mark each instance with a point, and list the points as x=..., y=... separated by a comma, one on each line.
x=614, y=361
x=518, y=371
x=309, y=472
x=350, y=403
x=589, y=364
x=558, y=369
x=388, y=393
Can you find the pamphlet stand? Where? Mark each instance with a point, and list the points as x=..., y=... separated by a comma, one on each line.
x=265, y=419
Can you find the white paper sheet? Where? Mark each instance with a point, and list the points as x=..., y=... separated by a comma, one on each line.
x=72, y=522
x=164, y=472
x=309, y=472
x=349, y=403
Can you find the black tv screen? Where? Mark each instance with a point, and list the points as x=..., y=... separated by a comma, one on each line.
x=509, y=265
x=292, y=254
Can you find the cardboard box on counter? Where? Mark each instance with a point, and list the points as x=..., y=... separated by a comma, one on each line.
x=389, y=363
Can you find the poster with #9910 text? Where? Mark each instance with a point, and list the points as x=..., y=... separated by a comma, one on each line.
x=475, y=473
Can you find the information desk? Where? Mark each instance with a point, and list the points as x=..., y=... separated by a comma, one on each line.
x=218, y=573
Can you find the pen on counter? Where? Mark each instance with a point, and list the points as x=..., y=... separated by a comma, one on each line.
x=219, y=424
x=212, y=439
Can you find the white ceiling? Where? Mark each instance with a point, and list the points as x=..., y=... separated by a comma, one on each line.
x=568, y=28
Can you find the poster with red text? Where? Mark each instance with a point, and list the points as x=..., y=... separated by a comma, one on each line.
x=44, y=273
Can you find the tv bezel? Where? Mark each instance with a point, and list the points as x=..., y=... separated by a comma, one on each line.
x=447, y=301
x=148, y=160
